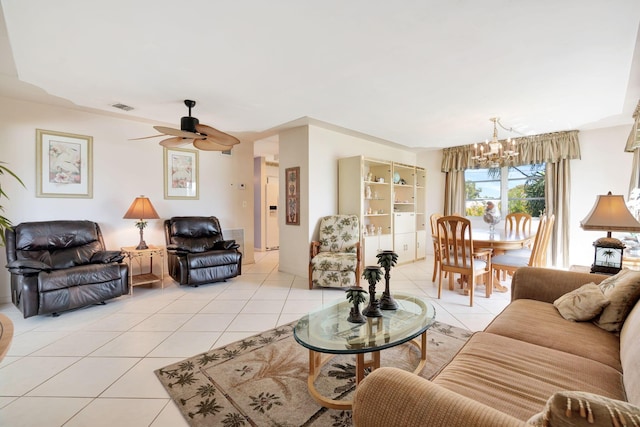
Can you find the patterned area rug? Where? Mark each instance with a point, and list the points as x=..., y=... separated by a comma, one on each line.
x=262, y=380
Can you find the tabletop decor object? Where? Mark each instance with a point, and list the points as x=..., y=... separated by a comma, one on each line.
x=372, y=274
x=141, y=209
x=491, y=216
x=386, y=260
x=610, y=213
x=356, y=295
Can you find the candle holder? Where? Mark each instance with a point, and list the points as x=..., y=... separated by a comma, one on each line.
x=386, y=260
x=372, y=274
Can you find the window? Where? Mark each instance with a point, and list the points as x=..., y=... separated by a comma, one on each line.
x=521, y=188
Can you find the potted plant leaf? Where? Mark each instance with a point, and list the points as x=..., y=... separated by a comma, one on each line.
x=4, y=221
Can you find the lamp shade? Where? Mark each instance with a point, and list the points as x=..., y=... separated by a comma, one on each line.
x=141, y=208
x=610, y=213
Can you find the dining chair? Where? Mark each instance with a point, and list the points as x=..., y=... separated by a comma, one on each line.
x=459, y=256
x=519, y=222
x=436, y=244
x=535, y=257
x=516, y=222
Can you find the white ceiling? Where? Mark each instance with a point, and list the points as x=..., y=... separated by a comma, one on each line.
x=421, y=73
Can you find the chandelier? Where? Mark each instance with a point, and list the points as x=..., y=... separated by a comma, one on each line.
x=494, y=153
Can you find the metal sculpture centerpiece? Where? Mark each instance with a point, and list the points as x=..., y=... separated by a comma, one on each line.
x=372, y=274
x=356, y=295
x=386, y=260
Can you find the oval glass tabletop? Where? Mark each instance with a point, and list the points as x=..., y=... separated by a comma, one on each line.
x=327, y=330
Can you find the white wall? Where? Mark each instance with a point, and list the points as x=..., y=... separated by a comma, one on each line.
x=432, y=162
x=122, y=170
x=294, y=239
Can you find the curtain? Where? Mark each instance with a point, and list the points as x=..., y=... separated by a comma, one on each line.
x=454, y=193
x=557, y=191
x=548, y=148
x=556, y=149
x=633, y=145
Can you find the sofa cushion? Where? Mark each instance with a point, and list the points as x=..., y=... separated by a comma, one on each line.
x=623, y=290
x=583, y=304
x=579, y=409
x=517, y=377
x=630, y=355
x=540, y=323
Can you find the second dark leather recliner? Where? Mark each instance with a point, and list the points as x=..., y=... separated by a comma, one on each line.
x=197, y=252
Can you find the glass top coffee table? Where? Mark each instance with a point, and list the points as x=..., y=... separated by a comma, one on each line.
x=327, y=331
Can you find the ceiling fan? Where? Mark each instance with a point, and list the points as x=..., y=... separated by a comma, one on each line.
x=191, y=131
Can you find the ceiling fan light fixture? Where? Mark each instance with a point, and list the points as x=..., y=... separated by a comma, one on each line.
x=188, y=124
x=191, y=131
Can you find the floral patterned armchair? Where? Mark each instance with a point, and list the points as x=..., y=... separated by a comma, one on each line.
x=334, y=260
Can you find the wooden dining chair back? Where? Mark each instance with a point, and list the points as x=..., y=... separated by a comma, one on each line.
x=436, y=245
x=510, y=261
x=458, y=255
x=541, y=245
x=518, y=222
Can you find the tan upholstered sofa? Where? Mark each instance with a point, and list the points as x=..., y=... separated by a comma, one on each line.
x=505, y=374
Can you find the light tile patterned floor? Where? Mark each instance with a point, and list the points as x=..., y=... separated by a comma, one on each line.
x=94, y=366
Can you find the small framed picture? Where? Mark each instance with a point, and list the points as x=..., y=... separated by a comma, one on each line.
x=292, y=188
x=64, y=165
x=181, y=174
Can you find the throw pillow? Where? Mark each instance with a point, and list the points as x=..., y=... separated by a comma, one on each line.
x=580, y=409
x=623, y=290
x=582, y=304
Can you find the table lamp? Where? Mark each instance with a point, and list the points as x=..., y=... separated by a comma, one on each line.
x=610, y=213
x=141, y=209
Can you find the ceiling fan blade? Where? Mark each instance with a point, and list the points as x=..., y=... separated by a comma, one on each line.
x=217, y=136
x=209, y=145
x=176, y=141
x=145, y=137
x=177, y=132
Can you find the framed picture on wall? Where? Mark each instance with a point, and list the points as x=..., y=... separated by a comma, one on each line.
x=64, y=165
x=293, y=195
x=181, y=174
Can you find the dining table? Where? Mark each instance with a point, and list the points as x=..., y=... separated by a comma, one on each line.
x=501, y=241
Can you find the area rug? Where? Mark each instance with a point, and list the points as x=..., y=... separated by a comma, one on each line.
x=262, y=380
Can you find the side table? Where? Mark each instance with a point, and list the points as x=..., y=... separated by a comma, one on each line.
x=131, y=253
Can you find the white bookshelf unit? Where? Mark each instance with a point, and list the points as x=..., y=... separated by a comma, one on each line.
x=389, y=200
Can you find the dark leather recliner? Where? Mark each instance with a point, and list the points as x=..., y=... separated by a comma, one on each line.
x=197, y=252
x=62, y=265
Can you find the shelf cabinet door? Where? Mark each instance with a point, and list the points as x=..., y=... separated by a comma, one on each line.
x=404, y=222
x=373, y=244
x=405, y=247
x=421, y=244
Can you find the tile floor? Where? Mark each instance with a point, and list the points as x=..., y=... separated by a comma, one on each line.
x=94, y=366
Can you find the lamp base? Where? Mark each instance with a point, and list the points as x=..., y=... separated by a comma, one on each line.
x=142, y=245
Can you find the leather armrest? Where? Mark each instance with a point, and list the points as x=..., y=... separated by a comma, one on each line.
x=176, y=250
x=27, y=266
x=106, y=257
x=226, y=245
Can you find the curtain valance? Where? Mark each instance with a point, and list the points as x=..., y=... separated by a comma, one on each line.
x=547, y=147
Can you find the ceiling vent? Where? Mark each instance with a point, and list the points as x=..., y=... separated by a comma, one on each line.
x=122, y=107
